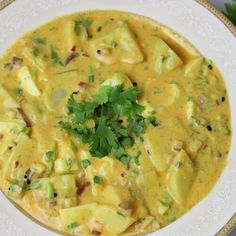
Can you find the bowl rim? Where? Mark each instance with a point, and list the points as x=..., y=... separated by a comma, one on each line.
x=228, y=227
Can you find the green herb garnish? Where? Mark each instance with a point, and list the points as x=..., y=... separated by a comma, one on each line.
x=36, y=184
x=35, y=52
x=69, y=163
x=84, y=22
x=106, y=109
x=178, y=164
x=17, y=91
x=99, y=29
x=119, y=213
x=50, y=191
x=73, y=225
x=50, y=157
x=55, y=57
x=40, y=40
x=90, y=74
x=85, y=163
x=114, y=44
x=97, y=180
x=153, y=121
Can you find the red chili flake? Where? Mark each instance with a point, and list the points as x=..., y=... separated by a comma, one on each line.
x=82, y=188
x=83, y=85
x=1, y=136
x=73, y=49
x=16, y=164
x=71, y=57
x=96, y=233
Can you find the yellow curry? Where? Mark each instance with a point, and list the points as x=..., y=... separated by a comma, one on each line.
x=110, y=124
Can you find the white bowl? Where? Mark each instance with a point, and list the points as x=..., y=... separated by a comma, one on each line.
x=200, y=27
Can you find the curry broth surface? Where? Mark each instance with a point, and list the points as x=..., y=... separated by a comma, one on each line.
x=188, y=147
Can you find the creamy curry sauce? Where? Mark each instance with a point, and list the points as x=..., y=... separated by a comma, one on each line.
x=109, y=124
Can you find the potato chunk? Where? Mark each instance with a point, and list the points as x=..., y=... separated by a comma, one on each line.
x=6, y=100
x=166, y=59
x=115, y=195
x=193, y=67
x=38, y=60
x=79, y=214
x=117, y=46
x=27, y=82
x=180, y=177
x=117, y=78
x=111, y=219
x=70, y=37
x=10, y=129
x=149, y=185
x=68, y=161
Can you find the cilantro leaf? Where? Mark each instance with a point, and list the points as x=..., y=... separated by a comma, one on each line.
x=83, y=111
x=103, y=140
x=103, y=95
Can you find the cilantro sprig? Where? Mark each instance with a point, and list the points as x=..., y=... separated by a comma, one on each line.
x=117, y=119
x=84, y=22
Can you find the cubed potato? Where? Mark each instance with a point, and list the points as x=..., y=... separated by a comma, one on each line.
x=65, y=166
x=157, y=152
x=27, y=82
x=79, y=214
x=34, y=111
x=15, y=191
x=111, y=219
x=38, y=61
x=7, y=124
x=190, y=109
x=174, y=94
x=194, y=145
x=149, y=186
x=107, y=168
x=24, y=145
x=180, y=177
x=158, y=142
x=64, y=186
x=193, y=67
x=115, y=195
x=116, y=46
x=70, y=37
x=38, y=169
x=117, y=78
x=6, y=100
x=67, y=163
x=165, y=59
